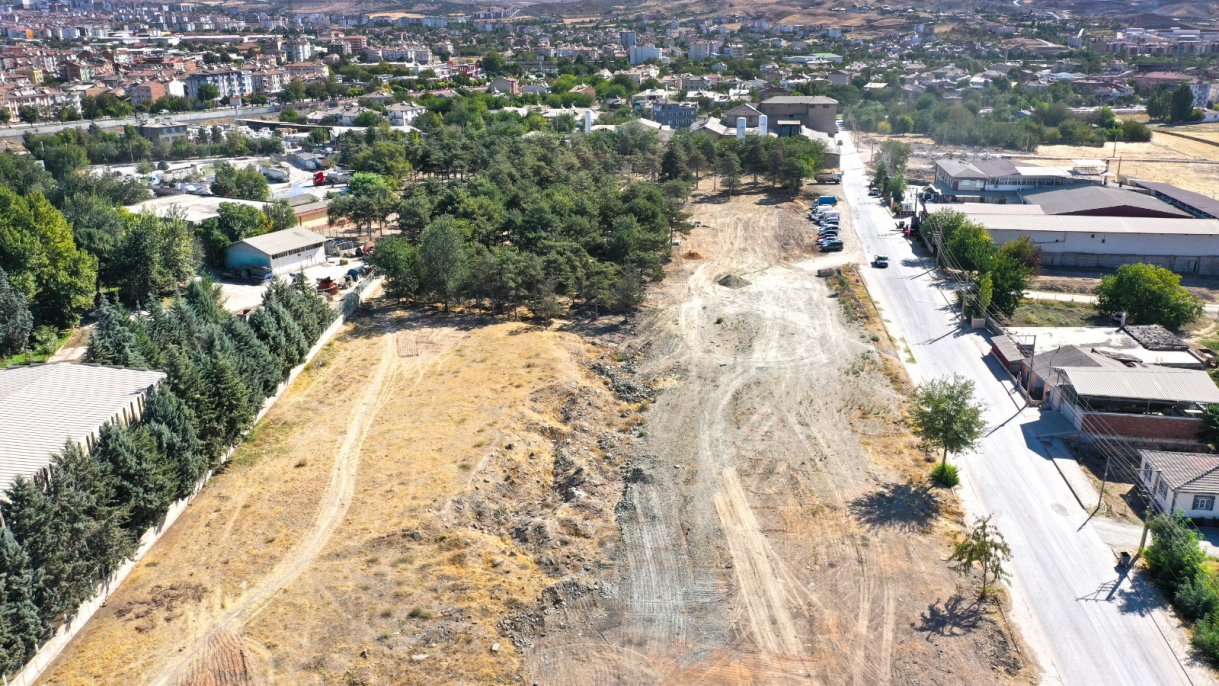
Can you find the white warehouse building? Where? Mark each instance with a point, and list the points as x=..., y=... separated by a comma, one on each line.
x=290, y=250
x=1186, y=246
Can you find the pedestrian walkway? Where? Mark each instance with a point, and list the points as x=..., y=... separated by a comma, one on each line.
x=1072, y=473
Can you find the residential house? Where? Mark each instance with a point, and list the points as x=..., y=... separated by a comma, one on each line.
x=1185, y=482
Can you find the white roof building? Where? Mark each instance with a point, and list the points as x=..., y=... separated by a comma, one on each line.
x=44, y=406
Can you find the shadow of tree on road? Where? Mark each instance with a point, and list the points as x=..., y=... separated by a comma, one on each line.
x=907, y=507
x=952, y=617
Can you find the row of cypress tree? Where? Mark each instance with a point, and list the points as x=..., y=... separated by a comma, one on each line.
x=74, y=524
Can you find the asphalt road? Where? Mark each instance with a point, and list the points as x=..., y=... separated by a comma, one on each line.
x=20, y=129
x=1087, y=622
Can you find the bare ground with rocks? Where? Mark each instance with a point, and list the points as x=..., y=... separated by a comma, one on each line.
x=775, y=526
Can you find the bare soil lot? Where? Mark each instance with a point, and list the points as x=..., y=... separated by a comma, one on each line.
x=412, y=489
x=720, y=490
x=776, y=528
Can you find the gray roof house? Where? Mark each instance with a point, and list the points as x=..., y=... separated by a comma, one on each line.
x=44, y=406
x=1188, y=482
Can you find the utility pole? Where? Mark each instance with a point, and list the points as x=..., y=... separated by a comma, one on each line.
x=1147, y=515
x=1104, y=482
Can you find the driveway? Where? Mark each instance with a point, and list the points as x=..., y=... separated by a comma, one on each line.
x=1088, y=623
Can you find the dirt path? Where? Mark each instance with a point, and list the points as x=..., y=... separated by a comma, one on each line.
x=757, y=543
x=331, y=509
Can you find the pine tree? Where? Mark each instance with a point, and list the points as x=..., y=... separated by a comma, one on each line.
x=21, y=627
x=143, y=482
x=297, y=346
x=267, y=329
x=186, y=382
x=112, y=341
x=204, y=297
x=257, y=366
x=167, y=420
x=228, y=406
x=97, y=541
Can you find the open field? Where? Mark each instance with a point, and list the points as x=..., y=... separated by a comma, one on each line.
x=1164, y=158
x=413, y=487
x=1047, y=313
x=730, y=495
x=777, y=527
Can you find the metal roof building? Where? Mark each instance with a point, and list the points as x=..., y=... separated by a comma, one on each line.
x=1103, y=201
x=280, y=251
x=1184, y=245
x=1158, y=384
x=44, y=406
x=1195, y=203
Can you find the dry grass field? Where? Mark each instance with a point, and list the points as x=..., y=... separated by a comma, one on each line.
x=396, y=505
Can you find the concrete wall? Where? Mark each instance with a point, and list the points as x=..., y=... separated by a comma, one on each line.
x=298, y=260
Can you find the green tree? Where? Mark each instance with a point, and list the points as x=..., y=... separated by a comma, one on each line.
x=971, y=247
x=42, y=260
x=21, y=627
x=28, y=114
x=398, y=261
x=730, y=172
x=367, y=118
x=443, y=253
x=945, y=415
x=1148, y=294
x=280, y=214
x=155, y=256
x=1210, y=429
x=207, y=93
x=1174, y=556
x=246, y=184
x=294, y=91
x=16, y=322
x=1181, y=104
x=234, y=221
x=65, y=160
x=982, y=547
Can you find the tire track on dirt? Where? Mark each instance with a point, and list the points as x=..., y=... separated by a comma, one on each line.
x=333, y=506
x=765, y=590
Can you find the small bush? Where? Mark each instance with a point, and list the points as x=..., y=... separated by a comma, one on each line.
x=1197, y=597
x=420, y=613
x=945, y=475
x=1174, y=556
x=1206, y=638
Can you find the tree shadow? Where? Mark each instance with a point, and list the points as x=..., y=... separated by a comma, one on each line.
x=952, y=617
x=908, y=507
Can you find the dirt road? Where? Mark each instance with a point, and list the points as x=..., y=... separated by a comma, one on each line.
x=330, y=511
x=770, y=532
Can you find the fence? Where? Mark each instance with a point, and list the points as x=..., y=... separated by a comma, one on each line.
x=67, y=631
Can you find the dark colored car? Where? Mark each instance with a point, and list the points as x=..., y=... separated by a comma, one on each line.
x=831, y=246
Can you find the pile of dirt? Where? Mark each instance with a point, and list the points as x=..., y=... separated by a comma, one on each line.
x=694, y=255
x=732, y=281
